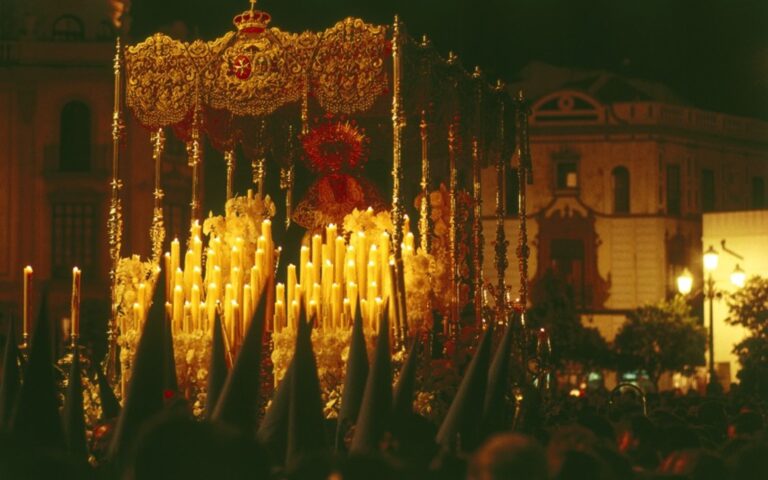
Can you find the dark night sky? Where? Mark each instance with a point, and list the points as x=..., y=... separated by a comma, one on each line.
x=714, y=53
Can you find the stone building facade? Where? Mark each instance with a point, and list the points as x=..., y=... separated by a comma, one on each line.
x=623, y=171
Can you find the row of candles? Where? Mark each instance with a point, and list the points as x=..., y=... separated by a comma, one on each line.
x=337, y=277
x=26, y=322
x=328, y=284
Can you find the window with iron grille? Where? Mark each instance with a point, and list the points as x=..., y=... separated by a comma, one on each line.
x=73, y=236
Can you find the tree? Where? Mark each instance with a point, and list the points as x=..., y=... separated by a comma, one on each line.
x=573, y=344
x=748, y=307
x=661, y=338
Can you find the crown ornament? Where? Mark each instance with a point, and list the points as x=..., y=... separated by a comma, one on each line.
x=252, y=21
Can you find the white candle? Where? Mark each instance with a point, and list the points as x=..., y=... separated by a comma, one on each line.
x=195, y=307
x=27, y=307
x=175, y=254
x=178, y=307
x=75, y=303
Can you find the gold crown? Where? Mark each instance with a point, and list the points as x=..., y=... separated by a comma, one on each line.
x=252, y=21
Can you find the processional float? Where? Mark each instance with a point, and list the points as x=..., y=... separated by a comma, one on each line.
x=267, y=98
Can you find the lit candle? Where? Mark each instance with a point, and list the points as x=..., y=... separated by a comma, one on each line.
x=347, y=309
x=210, y=262
x=327, y=281
x=236, y=277
x=330, y=235
x=235, y=322
x=409, y=241
x=169, y=271
x=277, y=320
x=313, y=312
x=175, y=254
x=210, y=301
x=27, y=307
x=197, y=251
x=362, y=260
x=186, y=316
x=234, y=257
x=372, y=277
x=316, y=295
x=280, y=292
x=261, y=265
x=378, y=310
x=352, y=296
x=266, y=232
x=317, y=252
x=195, y=307
x=373, y=256
x=247, y=306
x=178, y=307
x=303, y=259
x=217, y=281
x=384, y=248
x=338, y=263
x=291, y=284
x=336, y=304
x=75, y=304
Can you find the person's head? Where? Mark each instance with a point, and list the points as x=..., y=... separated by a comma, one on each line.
x=172, y=446
x=508, y=456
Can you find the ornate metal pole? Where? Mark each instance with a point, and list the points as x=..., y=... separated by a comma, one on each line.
x=424, y=210
x=452, y=226
x=501, y=242
x=477, y=203
x=259, y=164
x=286, y=179
x=195, y=152
x=398, y=210
x=525, y=177
x=157, y=230
x=523, y=154
x=229, y=159
x=115, y=220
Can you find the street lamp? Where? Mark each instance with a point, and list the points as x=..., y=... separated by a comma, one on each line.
x=685, y=285
x=710, y=264
x=738, y=277
x=685, y=282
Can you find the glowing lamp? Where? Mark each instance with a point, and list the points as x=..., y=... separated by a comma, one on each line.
x=738, y=277
x=685, y=282
x=710, y=259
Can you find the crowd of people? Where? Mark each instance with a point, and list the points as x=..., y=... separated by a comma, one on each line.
x=155, y=435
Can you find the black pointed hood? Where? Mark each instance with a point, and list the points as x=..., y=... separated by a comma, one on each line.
x=375, y=412
x=9, y=389
x=238, y=402
x=36, y=417
x=144, y=395
x=462, y=421
x=354, y=381
x=110, y=406
x=402, y=399
x=306, y=423
x=273, y=431
x=73, y=414
x=498, y=377
x=217, y=369
x=171, y=382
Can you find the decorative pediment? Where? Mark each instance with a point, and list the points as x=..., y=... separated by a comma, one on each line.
x=568, y=106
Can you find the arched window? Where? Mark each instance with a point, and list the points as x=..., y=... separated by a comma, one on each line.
x=75, y=138
x=620, y=190
x=68, y=27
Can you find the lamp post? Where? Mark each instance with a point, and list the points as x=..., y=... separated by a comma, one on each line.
x=710, y=264
x=685, y=285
